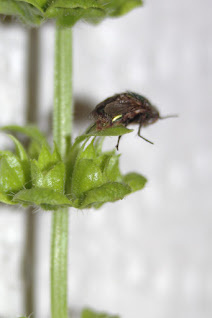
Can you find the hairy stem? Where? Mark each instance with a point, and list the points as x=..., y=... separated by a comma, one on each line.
x=61, y=129
x=30, y=216
x=62, y=123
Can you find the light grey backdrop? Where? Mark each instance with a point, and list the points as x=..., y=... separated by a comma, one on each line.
x=150, y=254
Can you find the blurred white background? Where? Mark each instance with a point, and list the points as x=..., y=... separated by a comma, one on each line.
x=150, y=254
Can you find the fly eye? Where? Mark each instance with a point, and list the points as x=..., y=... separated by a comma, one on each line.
x=116, y=118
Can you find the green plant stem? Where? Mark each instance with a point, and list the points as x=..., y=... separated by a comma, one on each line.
x=61, y=130
x=59, y=257
x=62, y=123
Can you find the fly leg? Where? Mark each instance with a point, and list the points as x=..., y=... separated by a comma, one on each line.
x=139, y=133
x=119, y=137
x=117, y=145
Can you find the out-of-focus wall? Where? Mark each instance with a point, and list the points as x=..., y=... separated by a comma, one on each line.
x=150, y=254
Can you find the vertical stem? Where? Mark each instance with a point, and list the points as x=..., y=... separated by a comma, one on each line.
x=31, y=217
x=62, y=124
x=61, y=129
x=59, y=260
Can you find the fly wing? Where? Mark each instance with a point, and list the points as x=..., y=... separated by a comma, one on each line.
x=119, y=104
x=100, y=108
x=115, y=108
x=122, y=105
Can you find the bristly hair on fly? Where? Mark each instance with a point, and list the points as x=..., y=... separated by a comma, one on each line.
x=125, y=109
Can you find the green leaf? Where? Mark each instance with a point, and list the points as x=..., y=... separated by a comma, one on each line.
x=111, y=131
x=43, y=197
x=49, y=170
x=53, y=178
x=6, y=198
x=21, y=153
x=75, y=154
x=111, y=169
x=108, y=192
x=68, y=17
x=84, y=4
x=135, y=181
x=37, y=3
x=19, y=149
x=66, y=12
x=34, y=149
x=87, y=153
x=37, y=176
x=26, y=12
x=12, y=175
x=88, y=313
x=101, y=162
x=46, y=159
x=86, y=175
x=30, y=131
x=119, y=7
x=70, y=163
x=98, y=146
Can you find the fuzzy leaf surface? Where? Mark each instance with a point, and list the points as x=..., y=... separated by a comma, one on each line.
x=42, y=197
x=53, y=178
x=27, y=13
x=30, y=131
x=135, y=181
x=47, y=159
x=111, y=131
x=88, y=313
x=21, y=152
x=12, y=176
x=87, y=175
x=6, y=198
x=111, y=168
x=119, y=7
x=24, y=159
x=108, y=192
x=66, y=12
